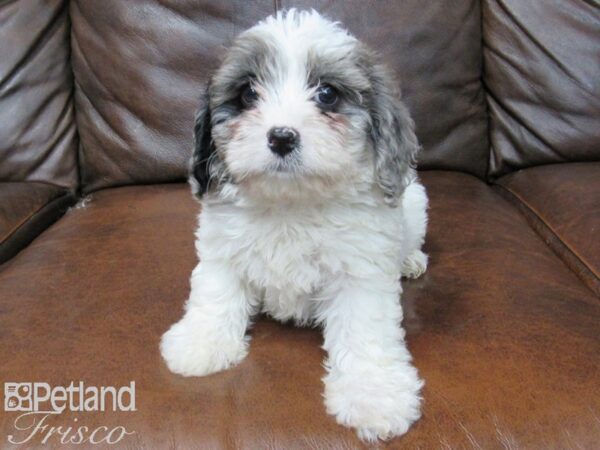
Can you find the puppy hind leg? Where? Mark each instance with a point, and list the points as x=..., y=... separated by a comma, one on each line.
x=414, y=265
x=414, y=204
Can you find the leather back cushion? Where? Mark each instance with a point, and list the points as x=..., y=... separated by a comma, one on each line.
x=542, y=69
x=37, y=124
x=140, y=68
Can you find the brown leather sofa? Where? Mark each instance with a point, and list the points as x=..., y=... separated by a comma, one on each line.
x=97, y=100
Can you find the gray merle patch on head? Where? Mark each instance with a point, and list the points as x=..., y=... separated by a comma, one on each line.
x=251, y=58
x=341, y=71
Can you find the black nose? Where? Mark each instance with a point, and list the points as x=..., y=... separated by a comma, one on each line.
x=282, y=140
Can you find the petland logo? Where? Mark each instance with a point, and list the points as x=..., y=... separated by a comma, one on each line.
x=36, y=401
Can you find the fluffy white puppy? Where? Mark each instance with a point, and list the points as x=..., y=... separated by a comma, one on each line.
x=311, y=211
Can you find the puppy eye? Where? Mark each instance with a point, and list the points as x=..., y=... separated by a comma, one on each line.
x=326, y=95
x=249, y=96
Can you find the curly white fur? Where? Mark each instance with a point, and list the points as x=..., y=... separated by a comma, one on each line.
x=318, y=246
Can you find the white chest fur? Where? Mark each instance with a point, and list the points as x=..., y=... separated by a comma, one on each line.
x=288, y=254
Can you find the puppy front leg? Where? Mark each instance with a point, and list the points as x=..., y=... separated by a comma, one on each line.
x=371, y=384
x=211, y=336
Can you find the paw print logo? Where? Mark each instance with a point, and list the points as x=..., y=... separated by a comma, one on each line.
x=17, y=396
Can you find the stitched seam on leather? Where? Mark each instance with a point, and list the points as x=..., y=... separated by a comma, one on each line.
x=485, y=95
x=76, y=139
x=16, y=228
x=49, y=214
x=550, y=229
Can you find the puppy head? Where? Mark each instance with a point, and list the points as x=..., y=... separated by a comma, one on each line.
x=299, y=107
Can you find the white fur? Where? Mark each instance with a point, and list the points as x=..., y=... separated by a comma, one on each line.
x=318, y=247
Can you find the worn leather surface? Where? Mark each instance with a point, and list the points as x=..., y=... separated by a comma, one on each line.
x=504, y=334
x=140, y=70
x=435, y=52
x=26, y=209
x=37, y=128
x=565, y=200
x=541, y=69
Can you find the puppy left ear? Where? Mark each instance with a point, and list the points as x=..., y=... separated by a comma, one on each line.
x=392, y=131
x=203, y=151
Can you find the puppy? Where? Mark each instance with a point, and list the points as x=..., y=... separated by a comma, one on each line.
x=311, y=211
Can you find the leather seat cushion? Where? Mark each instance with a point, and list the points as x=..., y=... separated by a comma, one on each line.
x=562, y=202
x=26, y=209
x=504, y=334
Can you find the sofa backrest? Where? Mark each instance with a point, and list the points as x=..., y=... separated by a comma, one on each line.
x=141, y=67
x=525, y=77
x=542, y=71
x=37, y=124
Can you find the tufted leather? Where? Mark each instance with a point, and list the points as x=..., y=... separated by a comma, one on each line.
x=505, y=335
x=541, y=70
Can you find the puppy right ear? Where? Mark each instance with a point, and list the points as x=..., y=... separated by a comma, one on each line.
x=204, y=149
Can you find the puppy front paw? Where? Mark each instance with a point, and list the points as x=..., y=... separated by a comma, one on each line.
x=189, y=350
x=378, y=406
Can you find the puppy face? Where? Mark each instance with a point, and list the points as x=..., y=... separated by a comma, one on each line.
x=299, y=106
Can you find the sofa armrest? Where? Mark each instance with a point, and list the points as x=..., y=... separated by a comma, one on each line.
x=27, y=209
x=562, y=203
